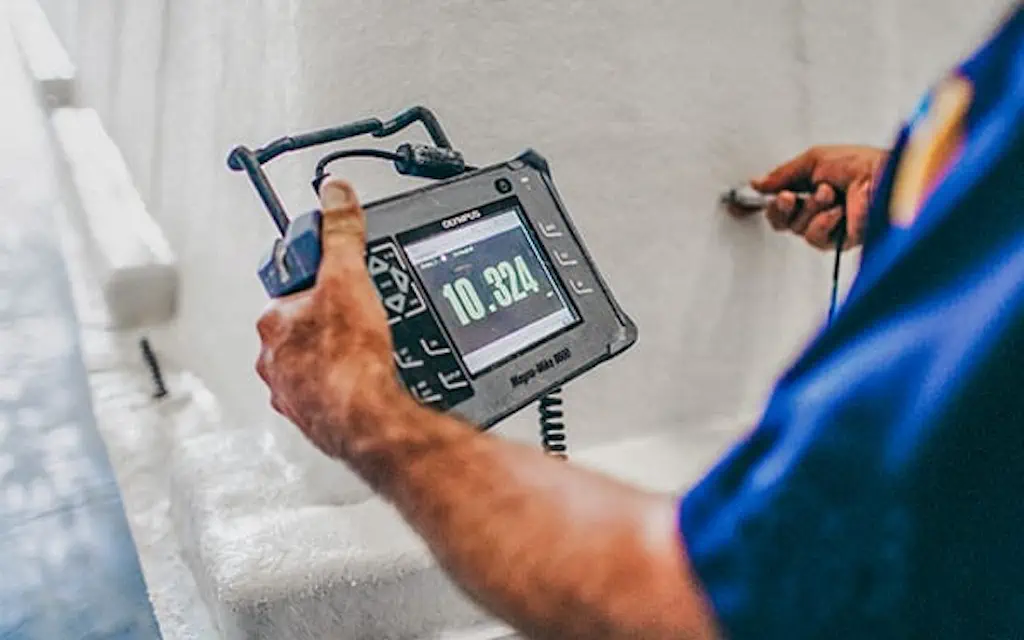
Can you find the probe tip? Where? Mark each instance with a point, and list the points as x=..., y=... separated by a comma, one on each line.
x=746, y=197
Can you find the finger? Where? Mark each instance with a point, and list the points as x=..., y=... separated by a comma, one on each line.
x=823, y=198
x=781, y=211
x=789, y=175
x=278, y=405
x=819, y=231
x=263, y=365
x=799, y=221
x=284, y=408
x=343, y=230
x=858, y=202
x=269, y=324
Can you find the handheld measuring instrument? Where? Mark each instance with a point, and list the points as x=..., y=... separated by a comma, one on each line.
x=493, y=300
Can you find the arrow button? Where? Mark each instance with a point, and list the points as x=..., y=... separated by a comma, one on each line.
x=377, y=266
x=401, y=279
x=395, y=302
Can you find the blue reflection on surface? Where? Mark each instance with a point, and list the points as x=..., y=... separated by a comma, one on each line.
x=68, y=566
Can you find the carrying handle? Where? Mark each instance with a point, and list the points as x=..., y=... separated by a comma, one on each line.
x=251, y=161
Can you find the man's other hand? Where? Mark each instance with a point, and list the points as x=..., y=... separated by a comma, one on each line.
x=825, y=173
x=326, y=352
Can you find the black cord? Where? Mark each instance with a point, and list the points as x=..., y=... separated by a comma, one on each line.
x=840, y=239
x=351, y=153
x=321, y=167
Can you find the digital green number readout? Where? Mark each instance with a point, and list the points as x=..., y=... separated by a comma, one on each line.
x=510, y=283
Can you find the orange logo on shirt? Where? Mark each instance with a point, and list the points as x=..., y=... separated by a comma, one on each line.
x=935, y=143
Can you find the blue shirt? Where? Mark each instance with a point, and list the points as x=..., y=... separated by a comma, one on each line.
x=882, y=493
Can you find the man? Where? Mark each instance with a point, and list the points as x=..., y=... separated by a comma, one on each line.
x=882, y=494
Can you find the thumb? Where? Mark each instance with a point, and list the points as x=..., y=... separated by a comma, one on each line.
x=790, y=175
x=343, y=226
x=858, y=204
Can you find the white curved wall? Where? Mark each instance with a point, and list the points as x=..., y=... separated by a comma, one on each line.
x=646, y=110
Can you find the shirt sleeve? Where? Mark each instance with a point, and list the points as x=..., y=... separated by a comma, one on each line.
x=803, y=532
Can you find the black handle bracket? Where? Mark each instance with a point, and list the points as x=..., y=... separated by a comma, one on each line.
x=251, y=161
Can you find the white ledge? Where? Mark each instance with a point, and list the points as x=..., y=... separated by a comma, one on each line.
x=42, y=52
x=273, y=561
x=134, y=263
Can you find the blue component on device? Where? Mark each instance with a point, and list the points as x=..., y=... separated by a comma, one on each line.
x=291, y=264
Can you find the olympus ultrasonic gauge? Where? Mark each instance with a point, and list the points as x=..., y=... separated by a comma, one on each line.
x=492, y=297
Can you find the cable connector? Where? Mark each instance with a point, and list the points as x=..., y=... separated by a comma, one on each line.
x=425, y=161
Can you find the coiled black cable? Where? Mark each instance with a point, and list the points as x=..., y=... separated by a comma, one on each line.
x=552, y=425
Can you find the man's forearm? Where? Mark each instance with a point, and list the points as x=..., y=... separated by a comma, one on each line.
x=558, y=551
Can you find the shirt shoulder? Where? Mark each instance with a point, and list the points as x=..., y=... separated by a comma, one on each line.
x=959, y=128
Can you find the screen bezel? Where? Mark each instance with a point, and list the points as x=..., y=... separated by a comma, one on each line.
x=604, y=332
x=497, y=207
